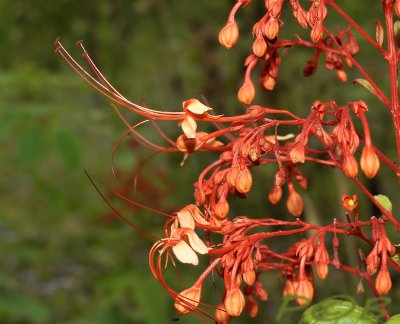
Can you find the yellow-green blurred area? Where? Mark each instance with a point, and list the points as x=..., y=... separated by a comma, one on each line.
x=64, y=256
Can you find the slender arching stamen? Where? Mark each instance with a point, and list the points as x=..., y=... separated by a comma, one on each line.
x=112, y=89
x=141, y=138
x=155, y=114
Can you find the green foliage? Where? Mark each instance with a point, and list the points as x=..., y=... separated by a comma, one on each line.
x=337, y=311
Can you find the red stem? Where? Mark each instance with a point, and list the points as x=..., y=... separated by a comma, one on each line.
x=392, y=60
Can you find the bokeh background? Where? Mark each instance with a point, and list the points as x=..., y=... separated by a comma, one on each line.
x=64, y=257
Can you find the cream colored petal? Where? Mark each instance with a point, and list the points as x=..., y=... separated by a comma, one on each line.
x=195, y=107
x=173, y=228
x=185, y=253
x=185, y=218
x=197, y=214
x=195, y=242
x=189, y=127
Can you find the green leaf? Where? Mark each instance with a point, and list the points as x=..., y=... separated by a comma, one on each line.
x=395, y=319
x=367, y=86
x=337, y=311
x=384, y=201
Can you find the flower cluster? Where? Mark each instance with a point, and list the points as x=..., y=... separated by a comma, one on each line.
x=238, y=247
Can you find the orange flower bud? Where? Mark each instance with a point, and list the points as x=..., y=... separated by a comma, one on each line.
x=397, y=8
x=252, y=307
x=350, y=166
x=249, y=277
x=221, y=209
x=221, y=316
x=305, y=290
x=271, y=28
x=294, y=203
x=317, y=32
x=268, y=83
x=188, y=300
x=234, y=302
x=244, y=181
x=289, y=289
x=372, y=261
x=229, y=34
x=321, y=259
x=349, y=62
x=383, y=283
x=247, y=92
x=259, y=46
x=275, y=195
x=260, y=291
x=341, y=75
x=369, y=162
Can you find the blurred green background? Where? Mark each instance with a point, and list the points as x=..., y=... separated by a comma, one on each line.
x=64, y=257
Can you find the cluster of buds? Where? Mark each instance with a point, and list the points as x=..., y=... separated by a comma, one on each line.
x=269, y=72
x=380, y=253
x=347, y=43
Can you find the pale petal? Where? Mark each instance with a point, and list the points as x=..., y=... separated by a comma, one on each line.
x=196, y=243
x=195, y=107
x=173, y=228
x=189, y=127
x=197, y=214
x=184, y=253
x=185, y=218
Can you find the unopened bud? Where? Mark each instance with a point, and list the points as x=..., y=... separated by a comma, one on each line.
x=369, y=162
x=259, y=46
x=305, y=290
x=383, y=283
x=221, y=209
x=246, y=92
x=350, y=166
x=188, y=300
x=244, y=181
x=249, y=277
x=275, y=195
x=260, y=291
x=294, y=203
x=252, y=307
x=289, y=289
x=234, y=302
x=221, y=316
x=341, y=75
x=317, y=32
x=229, y=34
x=268, y=83
x=271, y=28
